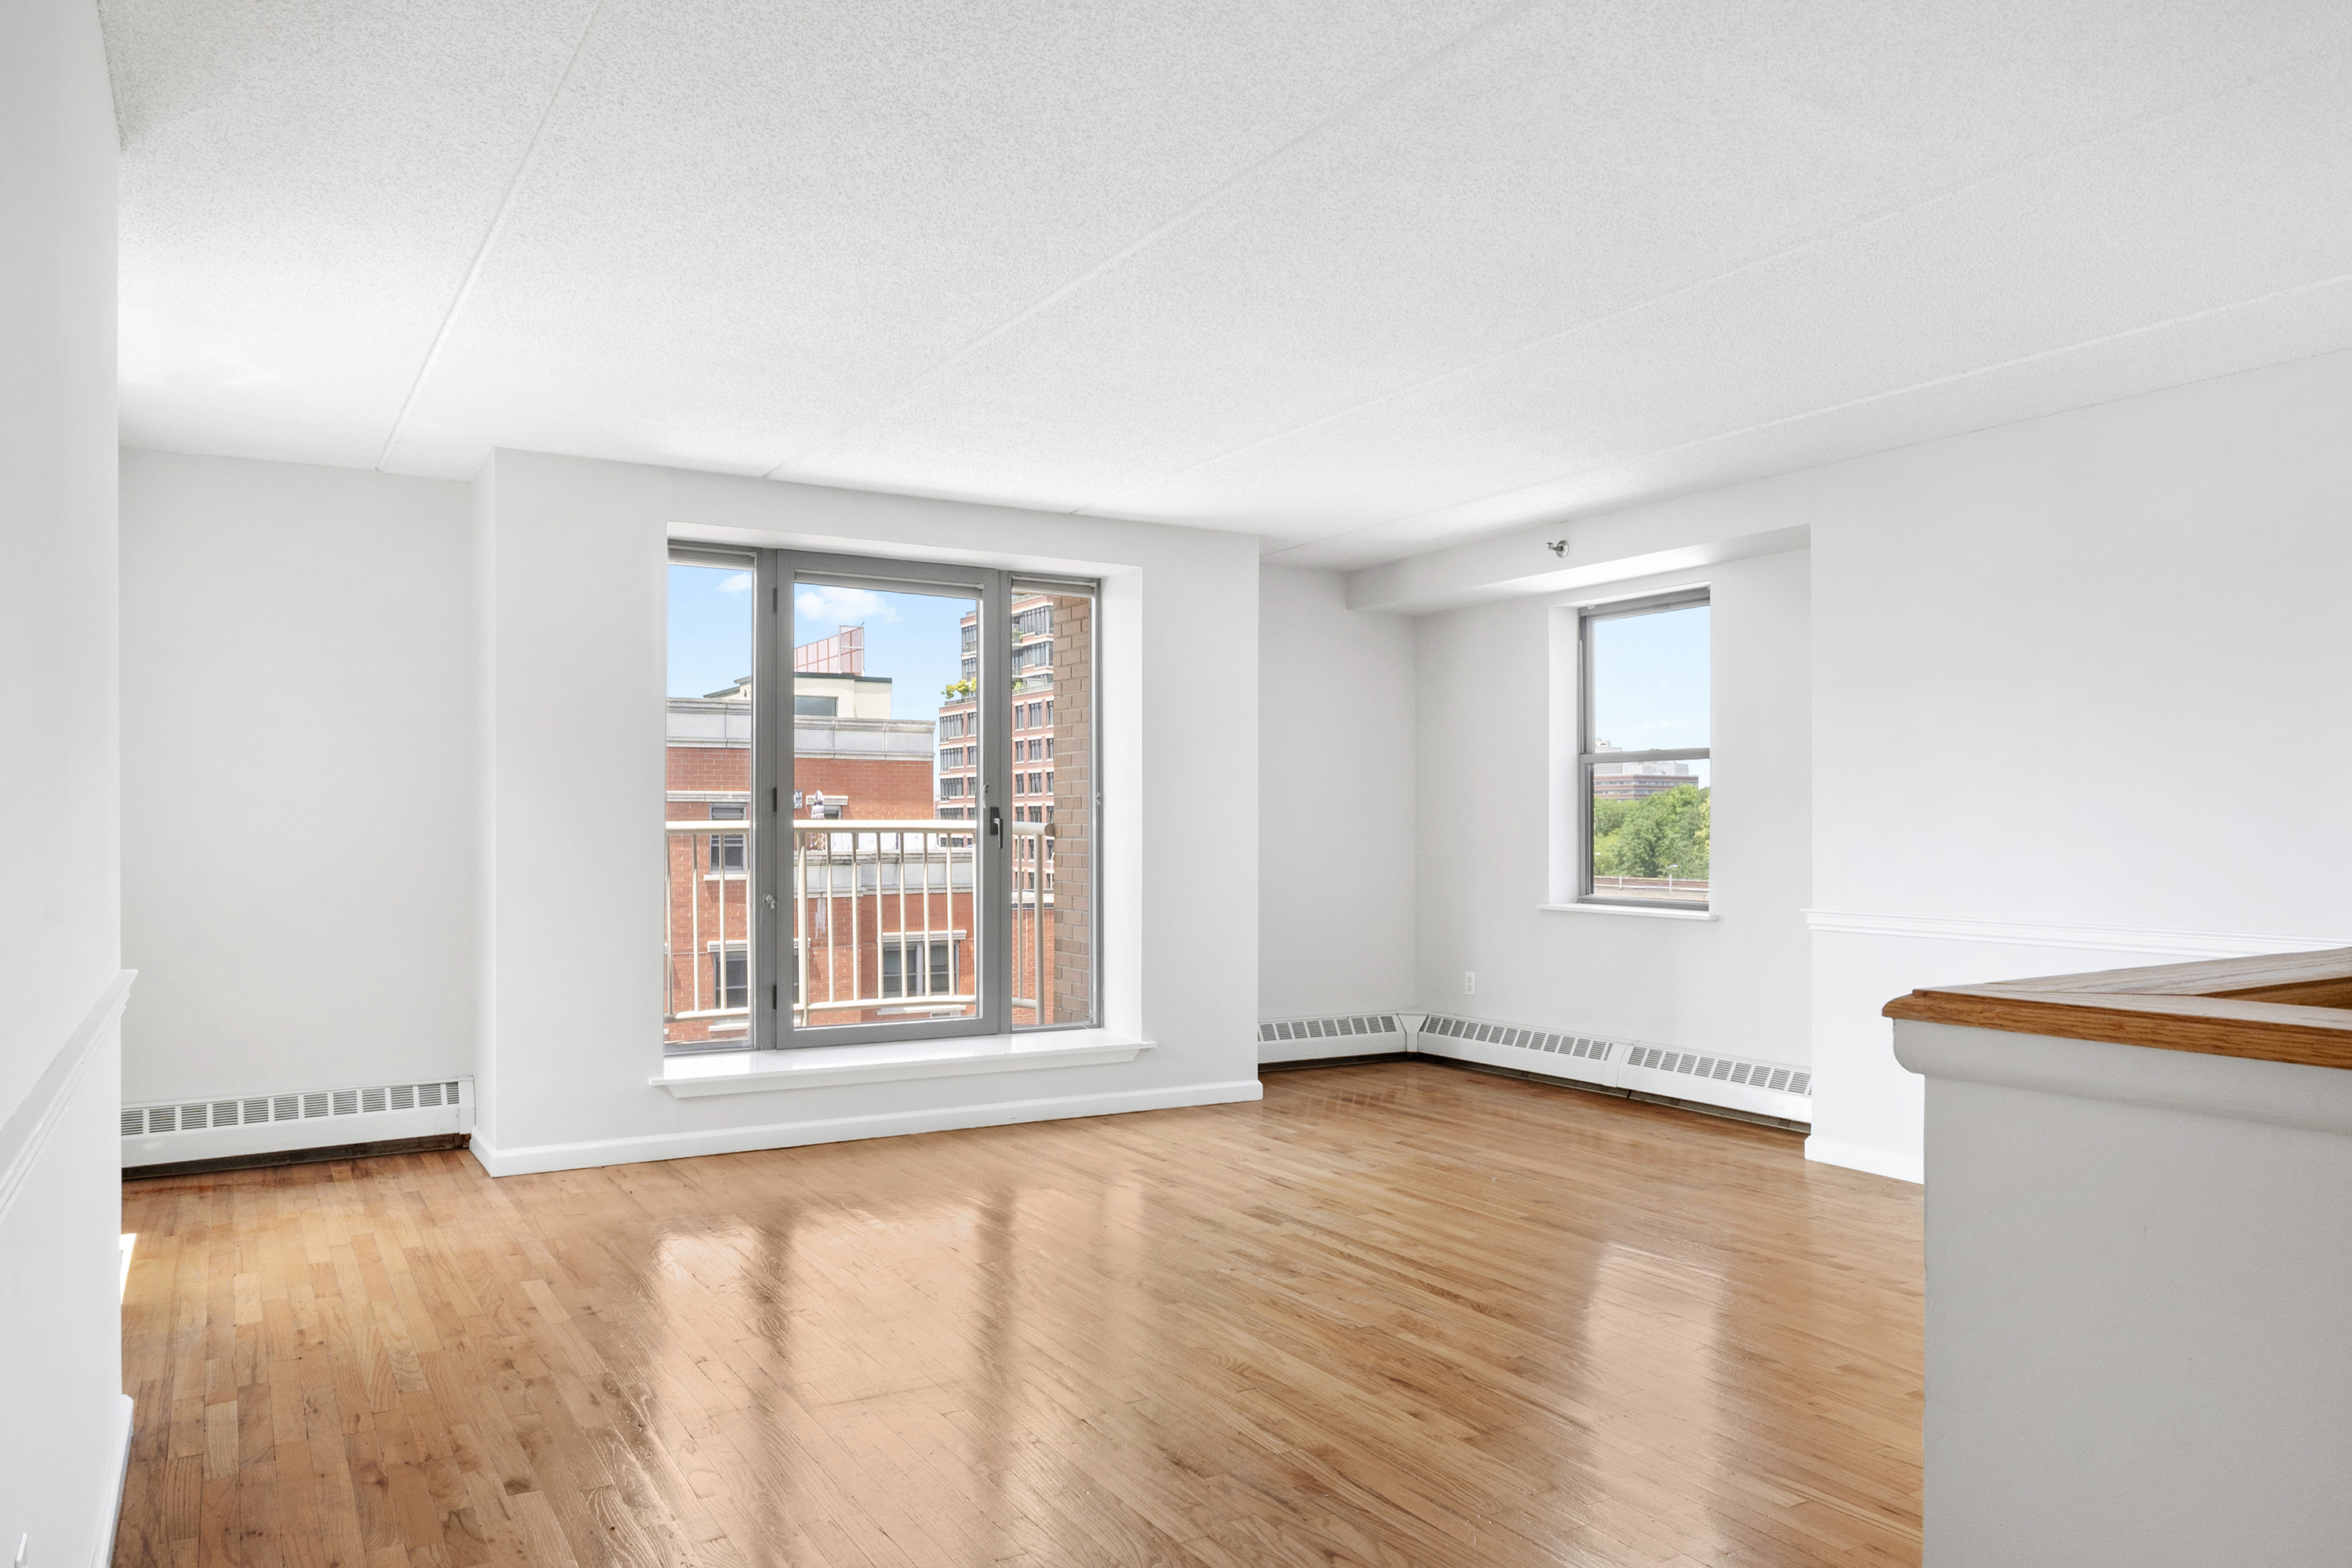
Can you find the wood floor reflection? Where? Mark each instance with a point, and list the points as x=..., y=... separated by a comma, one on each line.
x=1393, y=1315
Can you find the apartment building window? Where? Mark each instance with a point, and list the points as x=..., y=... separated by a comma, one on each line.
x=726, y=848
x=918, y=968
x=882, y=705
x=731, y=976
x=1645, y=773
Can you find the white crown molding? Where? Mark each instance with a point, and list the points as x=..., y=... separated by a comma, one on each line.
x=2157, y=941
x=26, y=1131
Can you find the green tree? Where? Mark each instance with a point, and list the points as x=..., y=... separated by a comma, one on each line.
x=1643, y=838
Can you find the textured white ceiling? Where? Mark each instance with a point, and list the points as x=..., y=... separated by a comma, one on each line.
x=1365, y=276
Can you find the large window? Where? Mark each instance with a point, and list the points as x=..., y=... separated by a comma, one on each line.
x=901, y=893
x=1645, y=787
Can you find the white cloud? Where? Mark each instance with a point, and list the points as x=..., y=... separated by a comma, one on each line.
x=826, y=607
x=736, y=582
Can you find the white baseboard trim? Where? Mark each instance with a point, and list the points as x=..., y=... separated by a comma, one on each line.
x=120, y=1451
x=537, y=1159
x=1877, y=1162
x=2154, y=941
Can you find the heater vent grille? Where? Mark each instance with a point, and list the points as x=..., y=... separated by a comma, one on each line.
x=1334, y=1028
x=1731, y=1069
x=141, y=1121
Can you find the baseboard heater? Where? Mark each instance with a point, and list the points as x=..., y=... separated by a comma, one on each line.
x=1706, y=1081
x=179, y=1133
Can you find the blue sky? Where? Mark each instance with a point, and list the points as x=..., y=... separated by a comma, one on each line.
x=1651, y=684
x=911, y=638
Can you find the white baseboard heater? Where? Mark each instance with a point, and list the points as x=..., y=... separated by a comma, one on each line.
x=173, y=1132
x=1776, y=1089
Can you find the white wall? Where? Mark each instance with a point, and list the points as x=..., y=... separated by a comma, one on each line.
x=1736, y=984
x=1336, y=806
x=2075, y=689
x=297, y=777
x=569, y=567
x=60, y=1377
x=2084, y=674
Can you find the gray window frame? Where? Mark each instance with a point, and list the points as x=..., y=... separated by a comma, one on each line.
x=1587, y=758
x=771, y=967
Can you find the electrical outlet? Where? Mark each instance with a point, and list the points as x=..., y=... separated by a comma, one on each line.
x=1469, y=983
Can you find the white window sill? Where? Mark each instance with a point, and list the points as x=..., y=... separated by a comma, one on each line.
x=828, y=1066
x=1635, y=909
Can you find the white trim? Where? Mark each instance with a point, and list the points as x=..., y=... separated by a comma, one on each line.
x=704, y=1073
x=26, y=1131
x=1635, y=909
x=2241, y=1088
x=1856, y=1157
x=2159, y=942
x=844, y=1129
x=118, y=1446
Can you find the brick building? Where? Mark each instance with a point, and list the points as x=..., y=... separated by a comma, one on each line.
x=868, y=944
x=886, y=916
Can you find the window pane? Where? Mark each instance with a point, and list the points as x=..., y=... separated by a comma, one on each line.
x=1650, y=831
x=880, y=679
x=1053, y=928
x=706, y=947
x=1649, y=680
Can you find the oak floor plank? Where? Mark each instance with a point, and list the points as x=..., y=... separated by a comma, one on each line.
x=1398, y=1316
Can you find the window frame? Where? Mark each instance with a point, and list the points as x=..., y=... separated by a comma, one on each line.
x=1587, y=758
x=772, y=947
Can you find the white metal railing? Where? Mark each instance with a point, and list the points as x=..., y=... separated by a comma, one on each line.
x=859, y=888
x=730, y=885
x=911, y=868
x=1684, y=889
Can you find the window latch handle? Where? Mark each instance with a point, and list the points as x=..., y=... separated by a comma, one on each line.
x=769, y=899
x=996, y=821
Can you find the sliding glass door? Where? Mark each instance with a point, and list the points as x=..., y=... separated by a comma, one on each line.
x=909, y=758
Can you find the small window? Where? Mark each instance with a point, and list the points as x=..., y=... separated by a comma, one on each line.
x=729, y=976
x=817, y=706
x=1643, y=785
x=909, y=971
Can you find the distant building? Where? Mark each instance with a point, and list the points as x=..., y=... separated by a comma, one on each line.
x=1638, y=780
x=852, y=762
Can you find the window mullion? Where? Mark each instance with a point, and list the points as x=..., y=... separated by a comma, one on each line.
x=768, y=814
x=991, y=881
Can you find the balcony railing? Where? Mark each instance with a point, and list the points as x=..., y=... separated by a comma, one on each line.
x=882, y=921
x=1664, y=890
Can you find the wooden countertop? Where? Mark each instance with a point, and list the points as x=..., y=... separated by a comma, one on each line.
x=2295, y=1007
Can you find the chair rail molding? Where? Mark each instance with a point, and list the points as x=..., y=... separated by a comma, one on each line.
x=26, y=1131
x=2157, y=940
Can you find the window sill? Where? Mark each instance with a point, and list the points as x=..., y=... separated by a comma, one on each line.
x=1635, y=909
x=828, y=1066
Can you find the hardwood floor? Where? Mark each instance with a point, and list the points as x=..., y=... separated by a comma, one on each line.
x=1395, y=1315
